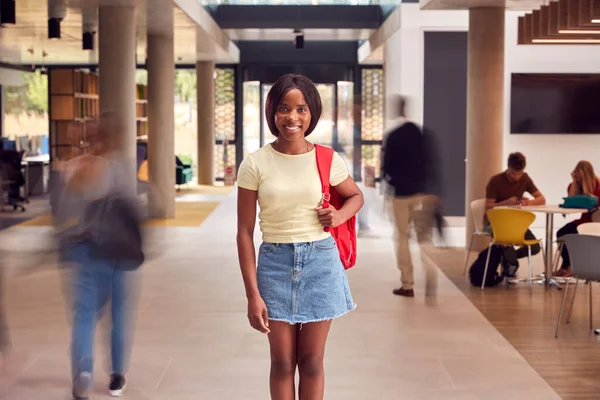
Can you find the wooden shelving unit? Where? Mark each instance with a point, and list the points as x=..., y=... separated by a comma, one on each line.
x=141, y=111
x=74, y=101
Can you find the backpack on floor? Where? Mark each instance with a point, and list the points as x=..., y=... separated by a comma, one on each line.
x=345, y=234
x=478, y=267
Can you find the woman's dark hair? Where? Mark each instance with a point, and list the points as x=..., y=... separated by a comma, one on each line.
x=283, y=85
x=517, y=161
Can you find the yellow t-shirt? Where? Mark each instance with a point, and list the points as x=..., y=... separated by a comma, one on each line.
x=289, y=190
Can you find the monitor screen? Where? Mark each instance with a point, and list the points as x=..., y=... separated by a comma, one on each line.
x=555, y=104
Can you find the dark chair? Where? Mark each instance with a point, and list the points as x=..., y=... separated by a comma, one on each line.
x=12, y=177
x=584, y=250
x=183, y=173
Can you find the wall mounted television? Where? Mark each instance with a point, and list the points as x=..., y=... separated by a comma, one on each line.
x=555, y=104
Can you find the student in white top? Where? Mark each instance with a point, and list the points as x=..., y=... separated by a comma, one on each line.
x=298, y=284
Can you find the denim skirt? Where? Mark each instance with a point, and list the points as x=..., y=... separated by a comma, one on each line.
x=303, y=282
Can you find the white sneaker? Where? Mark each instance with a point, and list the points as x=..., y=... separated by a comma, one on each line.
x=118, y=385
x=82, y=385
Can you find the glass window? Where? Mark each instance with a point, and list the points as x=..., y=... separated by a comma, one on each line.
x=25, y=116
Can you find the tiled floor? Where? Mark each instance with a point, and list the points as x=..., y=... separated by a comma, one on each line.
x=193, y=341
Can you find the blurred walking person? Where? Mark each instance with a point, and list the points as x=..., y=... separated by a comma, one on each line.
x=101, y=250
x=407, y=169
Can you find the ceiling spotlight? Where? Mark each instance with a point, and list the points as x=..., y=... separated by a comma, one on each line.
x=88, y=40
x=89, y=26
x=54, y=28
x=8, y=12
x=57, y=11
x=299, y=38
x=300, y=41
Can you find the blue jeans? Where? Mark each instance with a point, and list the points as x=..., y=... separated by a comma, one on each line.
x=95, y=282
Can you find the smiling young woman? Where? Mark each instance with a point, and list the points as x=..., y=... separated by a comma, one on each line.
x=299, y=285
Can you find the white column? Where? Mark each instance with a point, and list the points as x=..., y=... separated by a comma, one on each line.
x=485, y=103
x=205, y=71
x=116, y=46
x=161, y=113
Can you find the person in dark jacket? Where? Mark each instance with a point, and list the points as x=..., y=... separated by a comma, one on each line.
x=408, y=172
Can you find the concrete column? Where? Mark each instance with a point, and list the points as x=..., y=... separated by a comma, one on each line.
x=116, y=46
x=161, y=114
x=1, y=111
x=485, y=103
x=205, y=71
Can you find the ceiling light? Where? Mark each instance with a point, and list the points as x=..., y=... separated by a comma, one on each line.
x=300, y=41
x=579, y=32
x=89, y=26
x=57, y=11
x=54, y=28
x=88, y=40
x=596, y=21
x=570, y=41
x=8, y=12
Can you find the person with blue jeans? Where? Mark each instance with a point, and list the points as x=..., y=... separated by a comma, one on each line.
x=100, y=251
x=94, y=283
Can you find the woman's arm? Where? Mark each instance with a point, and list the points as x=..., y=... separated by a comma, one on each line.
x=246, y=209
x=353, y=202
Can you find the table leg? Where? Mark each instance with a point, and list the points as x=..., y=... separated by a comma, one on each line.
x=549, y=237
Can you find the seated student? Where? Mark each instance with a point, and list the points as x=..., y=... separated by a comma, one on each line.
x=585, y=181
x=507, y=189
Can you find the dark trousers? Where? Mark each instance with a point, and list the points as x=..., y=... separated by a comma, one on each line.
x=569, y=228
x=511, y=255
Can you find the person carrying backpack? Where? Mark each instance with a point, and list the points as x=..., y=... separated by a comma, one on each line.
x=98, y=222
x=299, y=285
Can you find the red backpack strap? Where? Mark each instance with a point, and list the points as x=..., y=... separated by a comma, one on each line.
x=324, y=161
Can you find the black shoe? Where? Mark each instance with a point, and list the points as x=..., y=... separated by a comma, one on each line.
x=118, y=385
x=510, y=270
x=404, y=292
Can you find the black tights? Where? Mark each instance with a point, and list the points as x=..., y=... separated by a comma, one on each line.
x=569, y=228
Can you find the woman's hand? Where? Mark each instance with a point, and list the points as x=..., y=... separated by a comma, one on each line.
x=258, y=315
x=329, y=217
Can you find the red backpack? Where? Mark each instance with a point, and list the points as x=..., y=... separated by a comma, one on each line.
x=345, y=234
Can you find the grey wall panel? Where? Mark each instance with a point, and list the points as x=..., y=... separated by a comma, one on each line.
x=445, y=110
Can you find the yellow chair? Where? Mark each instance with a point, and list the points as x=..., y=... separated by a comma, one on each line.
x=509, y=226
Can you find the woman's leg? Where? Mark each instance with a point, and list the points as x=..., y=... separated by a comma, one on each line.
x=85, y=306
x=283, y=343
x=569, y=228
x=311, y=350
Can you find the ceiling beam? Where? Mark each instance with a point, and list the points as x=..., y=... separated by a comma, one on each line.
x=209, y=31
x=381, y=35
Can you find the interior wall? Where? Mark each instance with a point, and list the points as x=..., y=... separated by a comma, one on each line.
x=404, y=54
x=550, y=158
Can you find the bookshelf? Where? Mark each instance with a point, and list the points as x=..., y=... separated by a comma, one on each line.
x=74, y=102
x=141, y=112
